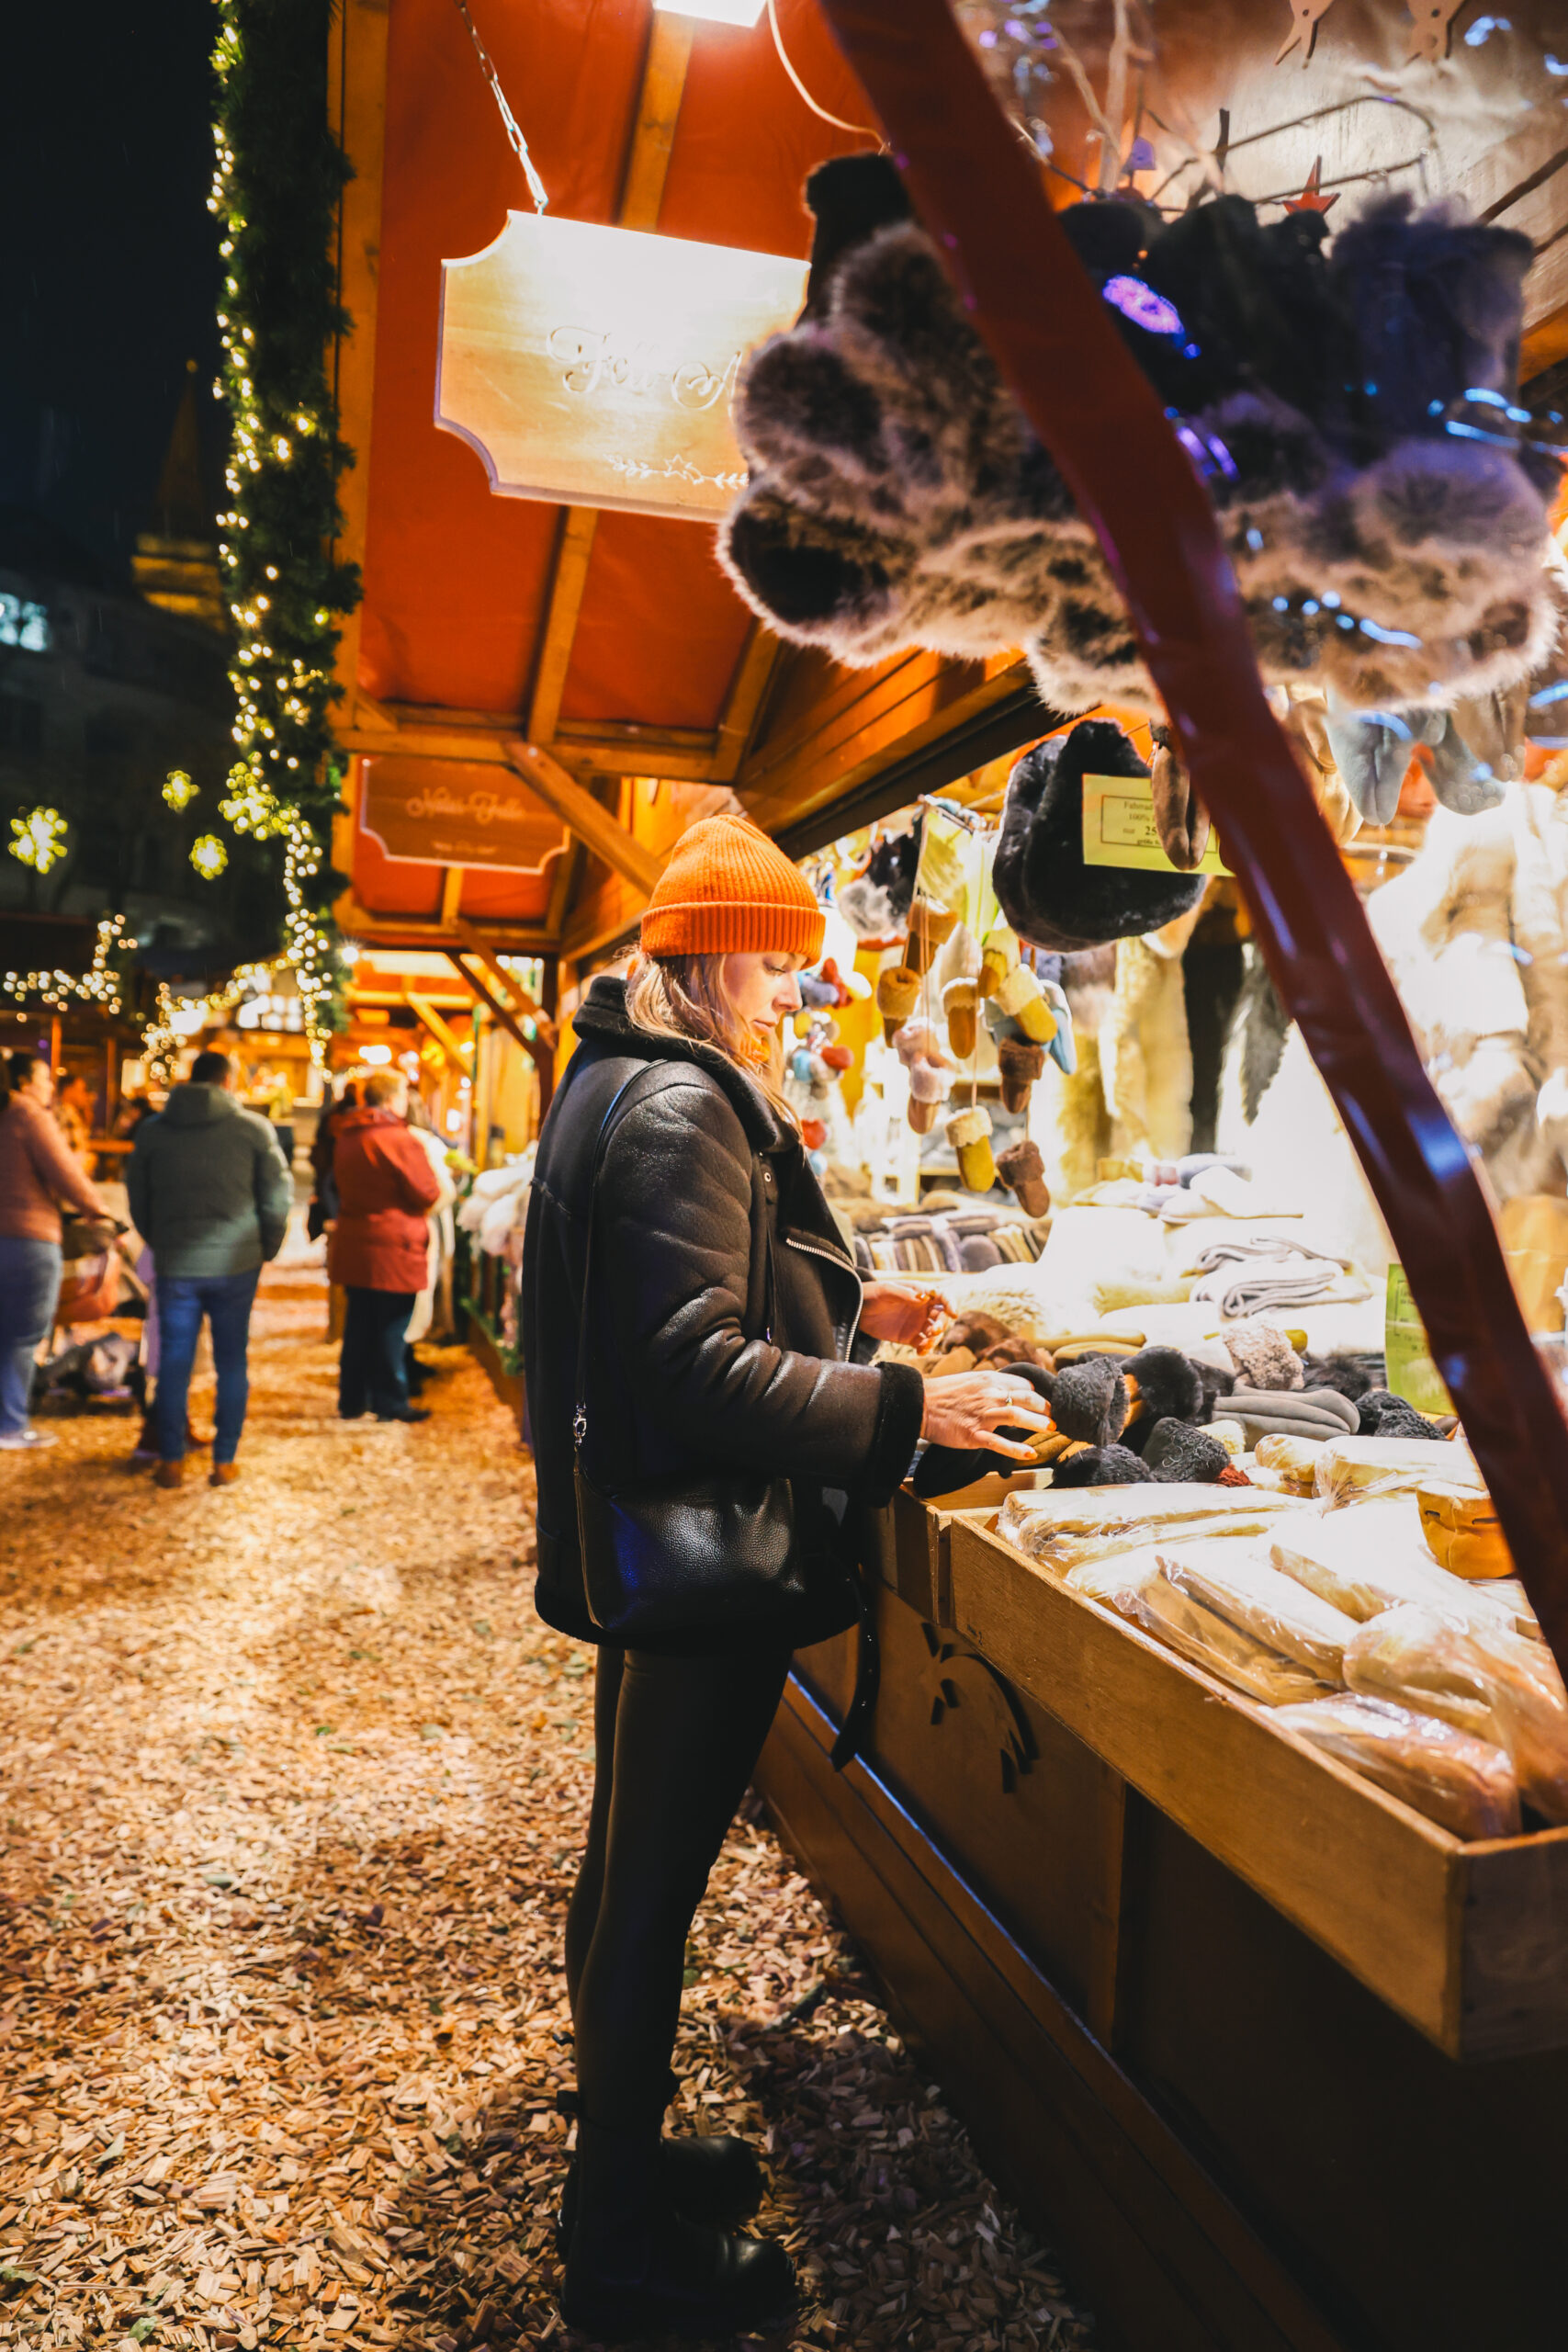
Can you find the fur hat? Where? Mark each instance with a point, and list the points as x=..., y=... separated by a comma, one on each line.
x=1382, y=1414
x=1048, y=893
x=1088, y=1399
x=1352, y=1375
x=1176, y=1454
x=1262, y=1355
x=898, y=496
x=1162, y=1384
x=1100, y=1466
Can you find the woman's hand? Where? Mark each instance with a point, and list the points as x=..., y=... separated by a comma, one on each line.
x=899, y=1312
x=967, y=1410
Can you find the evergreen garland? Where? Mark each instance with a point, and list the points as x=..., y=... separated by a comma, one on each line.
x=280, y=176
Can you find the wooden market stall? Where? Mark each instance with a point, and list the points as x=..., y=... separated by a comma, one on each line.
x=1276, y=2057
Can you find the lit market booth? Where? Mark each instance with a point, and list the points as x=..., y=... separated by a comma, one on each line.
x=1249, y=2026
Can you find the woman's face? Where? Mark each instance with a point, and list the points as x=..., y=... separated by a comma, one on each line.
x=763, y=989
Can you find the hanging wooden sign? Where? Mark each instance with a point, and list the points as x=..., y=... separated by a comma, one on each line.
x=456, y=812
x=595, y=367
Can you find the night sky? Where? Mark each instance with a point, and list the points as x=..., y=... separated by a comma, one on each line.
x=108, y=262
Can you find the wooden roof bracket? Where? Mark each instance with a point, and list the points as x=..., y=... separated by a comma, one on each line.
x=516, y=996
x=588, y=819
x=539, y=1053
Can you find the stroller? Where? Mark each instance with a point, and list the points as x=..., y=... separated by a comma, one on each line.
x=98, y=1284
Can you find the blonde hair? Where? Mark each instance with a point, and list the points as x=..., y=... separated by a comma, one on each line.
x=383, y=1086
x=684, y=996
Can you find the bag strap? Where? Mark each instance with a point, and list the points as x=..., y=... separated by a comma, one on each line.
x=580, y=1409
x=769, y=1300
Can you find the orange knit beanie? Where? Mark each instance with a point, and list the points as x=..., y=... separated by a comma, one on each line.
x=728, y=890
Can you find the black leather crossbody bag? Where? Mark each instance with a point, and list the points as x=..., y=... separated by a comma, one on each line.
x=683, y=1555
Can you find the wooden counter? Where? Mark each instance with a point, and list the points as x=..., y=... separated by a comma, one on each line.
x=1278, y=2061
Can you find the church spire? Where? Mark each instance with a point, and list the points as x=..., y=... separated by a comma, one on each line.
x=176, y=564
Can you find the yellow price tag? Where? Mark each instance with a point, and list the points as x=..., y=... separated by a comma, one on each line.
x=1119, y=828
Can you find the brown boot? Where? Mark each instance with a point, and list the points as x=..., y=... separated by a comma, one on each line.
x=224, y=1474
x=169, y=1474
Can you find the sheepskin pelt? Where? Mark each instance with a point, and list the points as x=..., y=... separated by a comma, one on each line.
x=1048, y=894
x=1475, y=933
x=1145, y=1053
x=1068, y=1117
x=898, y=497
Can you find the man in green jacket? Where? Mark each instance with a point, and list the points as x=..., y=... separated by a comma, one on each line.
x=211, y=1197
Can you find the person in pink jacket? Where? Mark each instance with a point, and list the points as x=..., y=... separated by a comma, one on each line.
x=40, y=1175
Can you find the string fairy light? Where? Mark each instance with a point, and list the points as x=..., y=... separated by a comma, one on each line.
x=277, y=318
x=100, y=986
x=175, y=1018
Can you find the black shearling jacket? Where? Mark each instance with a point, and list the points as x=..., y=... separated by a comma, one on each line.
x=687, y=1371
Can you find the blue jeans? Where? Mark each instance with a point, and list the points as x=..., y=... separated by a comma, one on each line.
x=29, y=1285
x=182, y=1299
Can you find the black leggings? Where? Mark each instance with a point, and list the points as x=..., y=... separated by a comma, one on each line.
x=676, y=1740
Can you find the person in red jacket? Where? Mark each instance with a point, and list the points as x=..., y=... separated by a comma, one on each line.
x=385, y=1186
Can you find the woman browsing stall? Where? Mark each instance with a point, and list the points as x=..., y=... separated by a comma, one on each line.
x=703, y=1417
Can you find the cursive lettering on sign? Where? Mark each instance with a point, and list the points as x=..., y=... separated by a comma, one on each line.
x=593, y=362
x=479, y=807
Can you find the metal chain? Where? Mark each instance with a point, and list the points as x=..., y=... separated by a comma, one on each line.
x=519, y=145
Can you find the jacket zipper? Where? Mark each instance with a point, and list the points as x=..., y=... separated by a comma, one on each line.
x=815, y=1250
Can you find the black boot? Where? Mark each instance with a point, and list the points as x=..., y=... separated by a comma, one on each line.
x=637, y=2267
x=714, y=2182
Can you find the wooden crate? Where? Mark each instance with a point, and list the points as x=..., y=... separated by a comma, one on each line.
x=1468, y=1942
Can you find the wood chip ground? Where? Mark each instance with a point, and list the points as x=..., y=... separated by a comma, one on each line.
x=293, y=1781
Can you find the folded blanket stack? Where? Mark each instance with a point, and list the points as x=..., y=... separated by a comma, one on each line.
x=1292, y=1412
x=965, y=1242
x=1244, y=1278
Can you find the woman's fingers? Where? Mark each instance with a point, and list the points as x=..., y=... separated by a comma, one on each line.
x=1019, y=1402
x=967, y=1411
x=1014, y=1452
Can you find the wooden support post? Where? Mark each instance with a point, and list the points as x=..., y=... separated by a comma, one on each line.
x=439, y=1029
x=576, y=806
x=451, y=895
x=563, y=882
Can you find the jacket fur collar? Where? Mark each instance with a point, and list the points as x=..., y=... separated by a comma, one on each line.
x=601, y=1023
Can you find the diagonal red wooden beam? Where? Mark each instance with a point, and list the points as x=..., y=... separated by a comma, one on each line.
x=979, y=192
